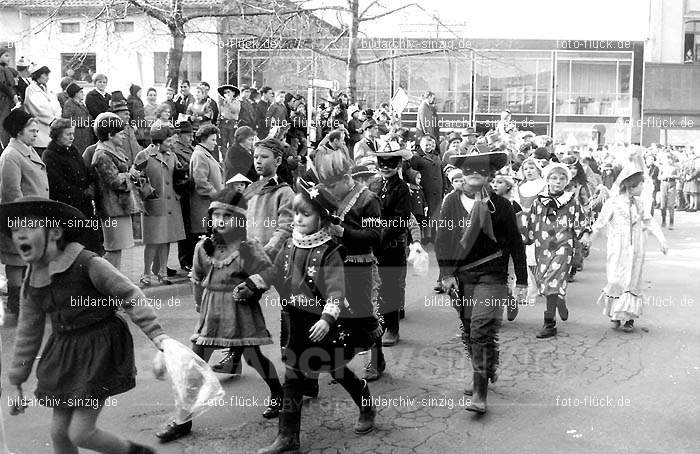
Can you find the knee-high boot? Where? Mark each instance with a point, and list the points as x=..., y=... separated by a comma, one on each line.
x=480, y=377
x=287, y=440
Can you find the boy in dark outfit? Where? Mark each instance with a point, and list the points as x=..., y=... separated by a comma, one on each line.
x=476, y=236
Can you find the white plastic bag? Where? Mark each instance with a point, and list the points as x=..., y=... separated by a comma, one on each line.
x=419, y=259
x=195, y=386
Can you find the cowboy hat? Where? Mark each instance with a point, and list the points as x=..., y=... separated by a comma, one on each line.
x=361, y=172
x=494, y=159
x=319, y=198
x=225, y=87
x=58, y=213
x=390, y=149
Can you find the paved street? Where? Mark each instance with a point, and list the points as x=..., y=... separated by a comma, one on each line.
x=590, y=389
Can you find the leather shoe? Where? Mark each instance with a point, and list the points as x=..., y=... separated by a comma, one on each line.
x=390, y=338
x=229, y=364
x=365, y=422
x=170, y=272
x=547, y=331
x=562, y=309
x=173, y=431
x=273, y=410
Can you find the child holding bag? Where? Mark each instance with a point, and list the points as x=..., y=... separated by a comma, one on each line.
x=224, y=272
x=89, y=355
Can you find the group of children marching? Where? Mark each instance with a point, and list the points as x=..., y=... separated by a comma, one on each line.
x=90, y=352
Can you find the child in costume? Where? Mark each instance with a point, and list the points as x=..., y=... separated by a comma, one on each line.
x=578, y=184
x=239, y=182
x=89, y=355
x=528, y=189
x=229, y=314
x=555, y=222
x=504, y=185
x=626, y=221
x=309, y=275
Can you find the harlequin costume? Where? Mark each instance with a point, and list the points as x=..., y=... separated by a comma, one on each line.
x=554, y=224
x=476, y=255
x=309, y=277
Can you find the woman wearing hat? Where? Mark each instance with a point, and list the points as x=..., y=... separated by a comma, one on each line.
x=117, y=200
x=70, y=180
x=473, y=258
x=42, y=105
x=22, y=173
x=8, y=92
x=206, y=174
x=626, y=222
x=161, y=222
x=89, y=355
x=229, y=110
x=76, y=111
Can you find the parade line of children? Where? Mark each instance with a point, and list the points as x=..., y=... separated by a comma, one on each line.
x=331, y=270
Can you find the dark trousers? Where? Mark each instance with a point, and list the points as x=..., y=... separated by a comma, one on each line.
x=480, y=307
x=185, y=248
x=392, y=290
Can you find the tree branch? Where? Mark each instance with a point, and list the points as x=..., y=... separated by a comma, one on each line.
x=395, y=57
x=378, y=16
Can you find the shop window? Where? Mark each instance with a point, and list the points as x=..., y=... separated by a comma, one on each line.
x=517, y=81
x=593, y=85
x=691, y=48
x=190, y=67
x=80, y=67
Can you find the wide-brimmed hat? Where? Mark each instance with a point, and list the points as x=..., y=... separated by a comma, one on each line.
x=320, y=198
x=225, y=87
x=390, y=149
x=50, y=212
x=632, y=165
x=352, y=109
x=239, y=178
x=361, y=172
x=494, y=159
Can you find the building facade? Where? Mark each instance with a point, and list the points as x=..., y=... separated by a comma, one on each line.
x=671, y=109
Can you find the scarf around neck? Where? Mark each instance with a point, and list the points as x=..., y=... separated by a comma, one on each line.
x=479, y=220
x=312, y=240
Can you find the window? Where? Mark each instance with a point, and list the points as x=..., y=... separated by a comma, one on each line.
x=446, y=76
x=190, y=67
x=123, y=27
x=691, y=49
x=517, y=81
x=593, y=84
x=80, y=67
x=70, y=27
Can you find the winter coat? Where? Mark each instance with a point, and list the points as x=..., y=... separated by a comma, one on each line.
x=42, y=105
x=239, y=160
x=70, y=180
x=97, y=103
x=205, y=171
x=79, y=116
x=116, y=189
x=269, y=215
x=427, y=119
x=430, y=168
